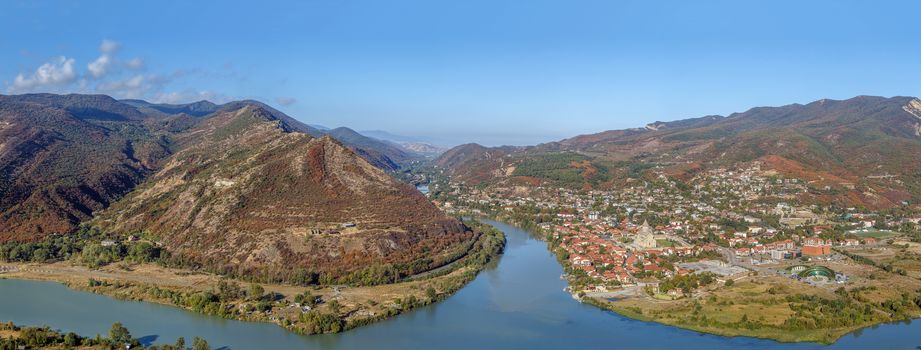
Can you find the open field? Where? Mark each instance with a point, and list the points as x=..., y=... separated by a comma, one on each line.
x=874, y=233
x=902, y=257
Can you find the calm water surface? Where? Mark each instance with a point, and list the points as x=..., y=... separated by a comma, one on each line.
x=519, y=304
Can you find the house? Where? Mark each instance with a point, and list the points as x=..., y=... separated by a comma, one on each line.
x=815, y=246
x=777, y=254
x=579, y=260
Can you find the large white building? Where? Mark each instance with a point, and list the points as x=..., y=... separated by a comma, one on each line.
x=645, y=238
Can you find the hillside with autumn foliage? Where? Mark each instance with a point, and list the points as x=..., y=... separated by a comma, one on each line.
x=246, y=195
x=239, y=188
x=860, y=152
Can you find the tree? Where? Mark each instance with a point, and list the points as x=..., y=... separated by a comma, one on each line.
x=119, y=334
x=255, y=291
x=143, y=252
x=229, y=290
x=303, y=277
x=334, y=306
x=306, y=299
x=180, y=343
x=200, y=344
x=71, y=339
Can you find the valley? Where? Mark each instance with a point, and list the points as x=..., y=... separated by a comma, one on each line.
x=233, y=175
x=248, y=214
x=187, y=204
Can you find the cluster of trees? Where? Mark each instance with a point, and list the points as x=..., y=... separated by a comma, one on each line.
x=307, y=299
x=40, y=337
x=53, y=249
x=119, y=337
x=372, y=275
x=96, y=255
x=220, y=300
x=687, y=283
x=82, y=244
x=487, y=248
x=567, y=169
x=316, y=322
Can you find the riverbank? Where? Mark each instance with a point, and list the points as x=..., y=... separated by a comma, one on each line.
x=772, y=307
x=305, y=310
x=13, y=336
x=516, y=304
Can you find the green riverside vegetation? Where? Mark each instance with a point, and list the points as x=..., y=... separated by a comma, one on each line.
x=118, y=338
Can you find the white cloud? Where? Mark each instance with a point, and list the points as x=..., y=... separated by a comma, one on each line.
x=109, y=75
x=135, y=63
x=100, y=66
x=285, y=101
x=188, y=96
x=103, y=64
x=48, y=77
x=135, y=86
x=109, y=46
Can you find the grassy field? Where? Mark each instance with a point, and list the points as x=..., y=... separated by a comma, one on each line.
x=874, y=233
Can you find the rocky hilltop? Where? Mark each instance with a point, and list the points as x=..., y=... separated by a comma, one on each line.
x=245, y=193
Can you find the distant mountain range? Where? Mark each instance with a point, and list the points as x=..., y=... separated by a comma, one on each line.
x=384, y=135
x=862, y=151
x=237, y=188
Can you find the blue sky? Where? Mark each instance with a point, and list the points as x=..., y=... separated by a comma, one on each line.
x=494, y=72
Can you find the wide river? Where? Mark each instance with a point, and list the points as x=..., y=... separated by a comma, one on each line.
x=519, y=304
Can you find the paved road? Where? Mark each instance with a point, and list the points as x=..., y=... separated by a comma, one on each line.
x=735, y=261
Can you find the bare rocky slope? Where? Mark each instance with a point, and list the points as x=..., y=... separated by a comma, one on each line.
x=246, y=194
